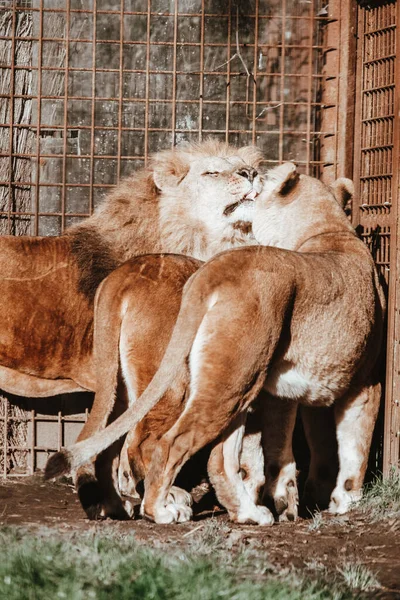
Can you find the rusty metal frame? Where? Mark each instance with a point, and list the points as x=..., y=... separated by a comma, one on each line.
x=391, y=446
x=375, y=174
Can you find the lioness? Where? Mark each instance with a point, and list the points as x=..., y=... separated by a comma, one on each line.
x=190, y=200
x=302, y=319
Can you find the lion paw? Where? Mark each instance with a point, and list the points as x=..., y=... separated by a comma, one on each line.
x=179, y=496
x=122, y=510
x=129, y=508
x=284, y=493
x=287, y=506
x=260, y=515
x=127, y=484
x=169, y=513
x=343, y=501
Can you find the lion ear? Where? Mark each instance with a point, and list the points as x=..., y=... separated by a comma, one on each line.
x=251, y=155
x=343, y=190
x=169, y=168
x=286, y=176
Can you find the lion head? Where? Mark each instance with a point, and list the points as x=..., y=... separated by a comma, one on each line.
x=206, y=194
x=293, y=208
x=195, y=199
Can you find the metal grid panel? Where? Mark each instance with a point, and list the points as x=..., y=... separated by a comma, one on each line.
x=89, y=88
x=376, y=166
x=36, y=439
x=375, y=129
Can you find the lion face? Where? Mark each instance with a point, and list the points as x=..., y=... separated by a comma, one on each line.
x=211, y=195
x=225, y=189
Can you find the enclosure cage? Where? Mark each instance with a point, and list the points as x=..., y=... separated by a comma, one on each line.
x=90, y=88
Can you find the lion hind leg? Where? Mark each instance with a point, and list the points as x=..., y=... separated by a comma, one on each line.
x=192, y=431
x=225, y=474
x=355, y=417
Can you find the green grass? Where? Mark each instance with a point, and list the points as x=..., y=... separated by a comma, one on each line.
x=381, y=499
x=317, y=521
x=357, y=576
x=44, y=566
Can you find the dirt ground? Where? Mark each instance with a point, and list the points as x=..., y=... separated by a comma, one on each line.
x=327, y=540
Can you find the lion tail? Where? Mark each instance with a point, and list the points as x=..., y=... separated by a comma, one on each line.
x=193, y=309
x=106, y=338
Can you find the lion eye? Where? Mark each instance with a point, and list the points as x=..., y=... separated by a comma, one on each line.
x=212, y=173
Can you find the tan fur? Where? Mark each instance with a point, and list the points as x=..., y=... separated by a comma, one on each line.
x=302, y=320
x=48, y=284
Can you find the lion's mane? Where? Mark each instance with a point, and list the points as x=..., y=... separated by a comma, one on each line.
x=128, y=222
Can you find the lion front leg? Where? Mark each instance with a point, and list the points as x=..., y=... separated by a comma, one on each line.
x=320, y=431
x=279, y=418
x=133, y=466
x=355, y=417
x=252, y=465
x=128, y=478
x=192, y=431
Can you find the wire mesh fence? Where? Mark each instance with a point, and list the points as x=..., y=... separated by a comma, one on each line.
x=90, y=88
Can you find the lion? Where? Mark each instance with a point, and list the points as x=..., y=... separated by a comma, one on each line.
x=300, y=317
x=194, y=200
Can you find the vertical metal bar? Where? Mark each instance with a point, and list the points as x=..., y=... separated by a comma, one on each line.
x=173, y=121
x=59, y=431
x=39, y=113
x=33, y=442
x=146, y=113
x=65, y=130
x=391, y=445
x=120, y=88
x=5, y=443
x=282, y=83
x=358, y=125
x=93, y=108
x=309, y=89
x=202, y=24
x=255, y=67
x=228, y=73
x=11, y=114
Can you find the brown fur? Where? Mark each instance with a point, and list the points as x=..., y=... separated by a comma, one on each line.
x=48, y=284
x=304, y=323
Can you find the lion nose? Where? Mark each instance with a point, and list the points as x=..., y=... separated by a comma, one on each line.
x=249, y=174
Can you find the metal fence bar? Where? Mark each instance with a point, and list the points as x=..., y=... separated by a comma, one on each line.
x=228, y=73
x=282, y=83
x=255, y=59
x=38, y=116
x=391, y=446
x=173, y=99
x=11, y=115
